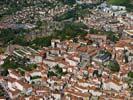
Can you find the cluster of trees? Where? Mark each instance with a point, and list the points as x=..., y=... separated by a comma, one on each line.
x=130, y=74
x=51, y=73
x=113, y=66
x=35, y=77
x=14, y=6
x=1, y=92
x=68, y=2
x=78, y=11
x=96, y=73
x=16, y=36
x=20, y=64
x=71, y=30
x=105, y=52
x=41, y=42
x=65, y=16
x=58, y=72
x=110, y=35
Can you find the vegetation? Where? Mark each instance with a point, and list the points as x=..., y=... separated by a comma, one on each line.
x=78, y=11
x=58, y=72
x=16, y=36
x=96, y=73
x=9, y=63
x=51, y=73
x=68, y=2
x=1, y=93
x=4, y=72
x=13, y=6
x=2, y=50
x=129, y=7
x=105, y=52
x=10, y=7
x=118, y=2
x=130, y=74
x=35, y=77
x=20, y=64
x=22, y=71
x=110, y=35
x=65, y=16
x=113, y=66
x=71, y=30
x=40, y=42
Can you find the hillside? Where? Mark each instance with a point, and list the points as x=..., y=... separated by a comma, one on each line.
x=118, y=2
x=127, y=3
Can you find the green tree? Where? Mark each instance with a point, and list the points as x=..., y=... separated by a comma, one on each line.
x=9, y=63
x=43, y=41
x=4, y=72
x=130, y=74
x=15, y=35
x=113, y=66
x=51, y=73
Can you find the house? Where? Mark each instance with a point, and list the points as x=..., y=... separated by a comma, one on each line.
x=72, y=95
x=13, y=94
x=71, y=61
x=54, y=43
x=95, y=92
x=2, y=98
x=97, y=38
x=24, y=87
x=57, y=96
x=42, y=91
x=114, y=85
x=14, y=74
x=128, y=33
x=38, y=59
x=114, y=7
x=50, y=63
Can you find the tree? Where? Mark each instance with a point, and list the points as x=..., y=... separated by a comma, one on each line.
x=112, y=36
x=20, y=39
x=93, y=31
x=71, y=30
x=43, y=41
x=130, y=74
x=9, y=63
x=59, y=71
x=15, y=35
x=51, y=73
x=4, y=72
x=113, y=66
x=96, y=73
x=68, y=2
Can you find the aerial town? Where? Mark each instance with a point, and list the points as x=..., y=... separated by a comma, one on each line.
x=66, y=50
